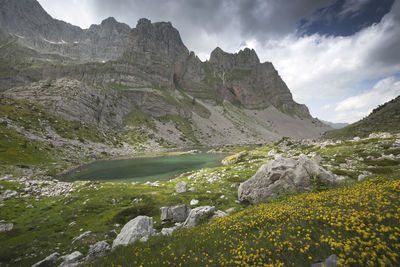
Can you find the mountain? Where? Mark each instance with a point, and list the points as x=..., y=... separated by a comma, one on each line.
x=384, y=118
x=335, y=125
x=134, y=89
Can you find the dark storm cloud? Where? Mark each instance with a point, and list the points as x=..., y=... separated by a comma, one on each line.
x=261, y=19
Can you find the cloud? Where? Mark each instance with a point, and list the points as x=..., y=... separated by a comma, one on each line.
x=321, y=67
x=352, y=7
x=352, y=108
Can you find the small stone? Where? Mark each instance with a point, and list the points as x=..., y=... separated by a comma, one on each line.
x=181, y=187
x=6, y=227
x=194, y=202
x=329, y=262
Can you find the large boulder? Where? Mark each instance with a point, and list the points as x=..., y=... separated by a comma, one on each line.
x=135, y=229
x=284, y=175
x=98, y=250
x=49, y=261
x=197, y=213
x=175, y=214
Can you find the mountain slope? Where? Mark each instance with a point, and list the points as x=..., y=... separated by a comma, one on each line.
x=143, y=86
x=335, y=125
x=385, y=118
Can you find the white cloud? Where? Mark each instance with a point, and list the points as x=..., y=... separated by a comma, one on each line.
x=319, y=70
x=323, y=67
x=352, y=108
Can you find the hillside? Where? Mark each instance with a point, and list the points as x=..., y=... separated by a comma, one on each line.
x=304, y=228
x=385, y=118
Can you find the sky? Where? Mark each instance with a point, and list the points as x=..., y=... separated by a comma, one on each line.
x=339, y=57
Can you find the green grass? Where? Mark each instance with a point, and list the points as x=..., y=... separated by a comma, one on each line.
x=359, y=223
x=118, y=86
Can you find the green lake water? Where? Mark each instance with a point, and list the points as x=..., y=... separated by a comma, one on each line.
x=144, y=169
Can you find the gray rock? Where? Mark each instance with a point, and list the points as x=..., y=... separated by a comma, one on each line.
x=194, y=202
x=6, y=227
x=49, y=261
x=166, y=214
x=134, y=230
x=8, y=194
x=331, y=261
x=174, y=214
x=283, y=175
x=98, y=250
x=196, y=214
x=181, y=187
x=71, y=259
x=85, y=234
x=361, y=177
x=170, y=230
x=219, y=214
x=230, y=210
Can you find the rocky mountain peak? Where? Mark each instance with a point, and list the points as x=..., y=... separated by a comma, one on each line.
x=158, y=38
x=246, y=58
x=27, y=18
x=109, y=21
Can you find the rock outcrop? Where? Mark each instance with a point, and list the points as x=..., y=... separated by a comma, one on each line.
x=196, y=214
x=284, y=175
x=174, y=214
x=71, y=259
x=135, y=229
x=98, y=250
x=49, y=261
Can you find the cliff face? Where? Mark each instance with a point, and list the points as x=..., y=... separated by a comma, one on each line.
x=101, y=74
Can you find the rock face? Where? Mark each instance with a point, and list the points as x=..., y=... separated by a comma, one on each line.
x=98, y=250
x=35, y=28
x=197, y=213
x=284, y=175
x=174, y=214
x=49, y=261
x=135, y=229
x=146, y=69
x=181, y=188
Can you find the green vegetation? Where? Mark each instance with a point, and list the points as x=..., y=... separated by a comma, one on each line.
x=238, y=74
x=184, y=126
x=359, y=223
x=138, y=118
x=118, y=86
x=300, y=229
x=21, y=120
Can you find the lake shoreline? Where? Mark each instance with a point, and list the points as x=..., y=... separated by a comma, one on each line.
x=153, y=154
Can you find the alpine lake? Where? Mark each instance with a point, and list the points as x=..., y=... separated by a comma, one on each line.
x=142, y=169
